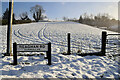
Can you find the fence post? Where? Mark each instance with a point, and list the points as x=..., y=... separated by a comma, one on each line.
x=15, y=53
x=49, y=53
x=68, y=43
x=103, y=47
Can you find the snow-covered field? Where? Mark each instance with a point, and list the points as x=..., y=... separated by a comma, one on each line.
x=115, y=27
x=83, y=38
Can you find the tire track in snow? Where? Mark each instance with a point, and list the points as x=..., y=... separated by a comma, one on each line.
x=26, y=36
x=73, y=46
x=54, y=42
x=23, y=37
x=46, y=39
x=40, y=35
x=43, y=38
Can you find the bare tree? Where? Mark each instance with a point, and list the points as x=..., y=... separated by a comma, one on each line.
x=43, y=16
x=24, y=16
x=81, y=19
x=65, y=18
x=85, y=16
x=37, y=11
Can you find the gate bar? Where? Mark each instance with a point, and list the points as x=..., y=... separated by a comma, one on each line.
x=113, y=34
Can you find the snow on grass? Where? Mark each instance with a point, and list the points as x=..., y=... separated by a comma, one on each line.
x=83, y=37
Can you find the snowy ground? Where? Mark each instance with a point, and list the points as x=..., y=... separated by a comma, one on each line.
x=84, y=38
x=115, y=28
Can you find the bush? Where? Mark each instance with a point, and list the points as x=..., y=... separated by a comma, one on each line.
x=5, y=21
x=22, y=21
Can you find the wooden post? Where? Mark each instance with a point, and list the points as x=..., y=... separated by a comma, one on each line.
x=15, y=53
x=49, y=53
x=103, y=47
x=9, y=30
x=68, y=36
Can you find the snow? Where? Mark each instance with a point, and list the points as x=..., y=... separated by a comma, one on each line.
x=83, y=37
x=115, y=27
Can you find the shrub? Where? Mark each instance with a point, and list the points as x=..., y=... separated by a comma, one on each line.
x=22, y=21
x=5, y=21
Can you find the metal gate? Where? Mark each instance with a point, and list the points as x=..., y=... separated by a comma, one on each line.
x=113, y=44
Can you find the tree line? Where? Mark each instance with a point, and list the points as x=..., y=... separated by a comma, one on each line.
x=37, y=14
x=100, y=20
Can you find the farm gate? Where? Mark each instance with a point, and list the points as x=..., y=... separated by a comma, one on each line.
x=112, y=44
